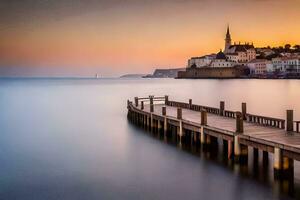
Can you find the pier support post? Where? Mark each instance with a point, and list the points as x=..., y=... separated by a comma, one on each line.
x=289, y=120
x=203, y=117
x=148, y=122
x=239, y=123
x=283, y=166
x=179, y=113
x=142, y=105
x=151, y=108
x=222, y=108
x=165, y=127
x=159, y=126
x=151, y=99
x=277, y=164
x=255, y=156
x=202, y=136
x=195, y=138
x=164, y=113
x=265, y=157
x=244, y=111
x=229, y=149
x=166, y=99
x=179, y=130
x=240, y=151
x=136, y=100
x=151, y=117
x=145, y=120
x=190, y=103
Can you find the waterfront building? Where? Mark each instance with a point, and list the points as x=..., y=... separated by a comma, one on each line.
x=286, y=64
x=258, y=66
x=270, y=67
x=202, y=61
x=241, y=53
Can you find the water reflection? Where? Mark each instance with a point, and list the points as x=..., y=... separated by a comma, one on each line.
x=257, y=167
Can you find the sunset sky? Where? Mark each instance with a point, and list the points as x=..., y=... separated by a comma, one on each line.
x=115, y=37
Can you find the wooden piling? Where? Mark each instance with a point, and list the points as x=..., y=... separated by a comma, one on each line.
x=239, y=123
x=255, y=155
x=151, y=122
x=151, y=100
x=244, y=111
x=283, y=166
x=289, y=120
x=190, y=103
x=222, y=107
x=142, y=105
x=166, y=99
x=136, y=100
x=203, y=117
x=277, y=164
x=229, y=149
x=165, y=127
x=180, y=132
x=159, y=125
x=164, y=110
x=164, y=113
x=151, y=108
x=179, y=113
x=240, y=151
x=145, y=121
x=202, y=135
x=265, y=157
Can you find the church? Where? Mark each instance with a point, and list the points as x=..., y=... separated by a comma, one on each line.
x=233, y=54
x=229, y=63
x=239, y=53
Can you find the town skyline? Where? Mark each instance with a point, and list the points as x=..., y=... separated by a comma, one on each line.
x=114, y=38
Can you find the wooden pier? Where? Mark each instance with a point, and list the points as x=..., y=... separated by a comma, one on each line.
x=238, y=129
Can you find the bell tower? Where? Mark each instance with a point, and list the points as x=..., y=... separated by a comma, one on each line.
x=227, y=40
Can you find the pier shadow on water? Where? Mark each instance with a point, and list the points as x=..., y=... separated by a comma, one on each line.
x=256, y=166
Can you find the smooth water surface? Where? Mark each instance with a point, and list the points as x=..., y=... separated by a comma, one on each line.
x=70, y=139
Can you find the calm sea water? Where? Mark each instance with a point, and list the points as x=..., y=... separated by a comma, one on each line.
x=70, y=139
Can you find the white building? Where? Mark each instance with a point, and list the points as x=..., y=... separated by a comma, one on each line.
x=202, y=61
x=286, y=64
x=241, y=53
x=270, y=67
x=258, y=66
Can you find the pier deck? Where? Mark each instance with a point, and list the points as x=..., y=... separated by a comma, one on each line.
x=238, y=130
x=251, y=130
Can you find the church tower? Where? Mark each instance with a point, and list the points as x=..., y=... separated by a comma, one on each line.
x=227, y=40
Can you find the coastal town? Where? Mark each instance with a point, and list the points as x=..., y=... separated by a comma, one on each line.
x=244, y=60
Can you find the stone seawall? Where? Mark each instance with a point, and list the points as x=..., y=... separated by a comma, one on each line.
x=214, y=72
